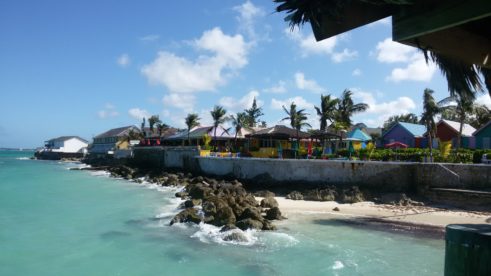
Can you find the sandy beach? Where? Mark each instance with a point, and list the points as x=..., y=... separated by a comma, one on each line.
x=417, y=215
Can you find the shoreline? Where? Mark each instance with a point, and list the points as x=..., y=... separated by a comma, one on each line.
x=426, y=221
x=414, y=220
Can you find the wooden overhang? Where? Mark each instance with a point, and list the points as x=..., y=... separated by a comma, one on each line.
x=457, y=28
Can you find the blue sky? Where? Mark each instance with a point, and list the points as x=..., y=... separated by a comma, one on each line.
x=82, y=67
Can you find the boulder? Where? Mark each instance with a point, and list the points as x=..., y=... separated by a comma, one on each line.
x=267, y=225
x=327, y=194
x=224, y=216
x=199, y=191
x=236, y=236
x=336, y=209
x=192, y=202
x=187, y=215
x=351, y=195
x=295, y=195
x=228, y=227
x=269, y=202
x=264, y=193
x=181, y=194
x=249, y=224
x=274, y=213
x=252, y=213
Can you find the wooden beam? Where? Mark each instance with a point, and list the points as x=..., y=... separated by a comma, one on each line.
x=432, y=16
x=354, y=15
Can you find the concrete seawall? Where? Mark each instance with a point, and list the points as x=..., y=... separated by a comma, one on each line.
x=382, y=176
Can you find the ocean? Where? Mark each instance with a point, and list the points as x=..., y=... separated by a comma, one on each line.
x=56, y=221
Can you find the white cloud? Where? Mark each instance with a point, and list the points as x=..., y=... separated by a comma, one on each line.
x=309, y=45
x=298, y=100
x=306, y=84
x=181, y=101
x=150, y=38
x=345, y=55
x=484, y=99
x=138, y=113
x=357, y=72
x=109, y=111
x=205, y=73
x=388, y=51
x=123, y=60
x=248, y=14
x=235, y=105
x=416, y=70
x=378, y=112
x=278, y=88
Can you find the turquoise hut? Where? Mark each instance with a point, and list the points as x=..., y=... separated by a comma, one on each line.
x=483, y=137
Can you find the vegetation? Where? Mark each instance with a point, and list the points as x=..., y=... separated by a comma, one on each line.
x=192, y=120
x=327, y=111
x=253, y=114
x=218, y=114
x=297, y=118
x=346, y=108
x=430, y=110
x=152, y=121
x=143, y=125
x=238, y=122
x=406, y=118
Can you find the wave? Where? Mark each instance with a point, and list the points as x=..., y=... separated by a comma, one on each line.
x=211, y=234
x=100, y=173
x=23, y=158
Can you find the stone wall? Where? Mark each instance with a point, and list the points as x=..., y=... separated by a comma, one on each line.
x=164, y=157
x=380, y=176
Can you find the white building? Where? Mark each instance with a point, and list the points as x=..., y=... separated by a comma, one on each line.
x=66, y=144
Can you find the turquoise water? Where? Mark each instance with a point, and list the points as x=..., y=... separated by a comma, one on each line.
x=54, y=221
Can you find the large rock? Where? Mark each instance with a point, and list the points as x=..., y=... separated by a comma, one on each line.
x=249, y=224
x=187, y=215
x=199, y=191
x=269, y=202
x=252, y=213
x=224, y=216
x=274, y=213
x=236, y=236
x=264, y=193
x=351, y=195
x=192, y=202
x=295, y=195
x=327, y=194
x=267, y=225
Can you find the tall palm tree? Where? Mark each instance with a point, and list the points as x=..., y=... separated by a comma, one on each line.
x=407, y=118
x=192, y=120
x=152, y=121
x=160, y=127
x=430, y=110
x=253, y=113
x=346, y=107
x=463, y=107
x=238, y=122
x=327, y=111
x=297, y=118
x=218, y=114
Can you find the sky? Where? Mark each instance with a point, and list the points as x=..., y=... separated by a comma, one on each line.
x=83, y=67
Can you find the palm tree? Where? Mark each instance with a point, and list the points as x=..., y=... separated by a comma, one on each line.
x=327, y=111
x=160, y=127
x=482, y=116
x=407, y=118
x=463, y=108
x=346, y=107
x=253, y=113
x=152, y=121
x=218, y=115
x=297, y=119
x=143, y=126
x=192, y=120
x=430, y=110
x=238, y=122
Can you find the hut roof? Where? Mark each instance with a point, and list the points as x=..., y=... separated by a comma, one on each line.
x=278, y=132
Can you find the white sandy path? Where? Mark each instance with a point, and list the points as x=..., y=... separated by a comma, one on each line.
x=416, y=215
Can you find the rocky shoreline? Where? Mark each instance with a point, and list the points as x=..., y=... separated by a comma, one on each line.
x=229, y=205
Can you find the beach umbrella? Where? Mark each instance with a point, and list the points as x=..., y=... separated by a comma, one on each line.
x=280, y=150
x=309, y=148
x=158, y=142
